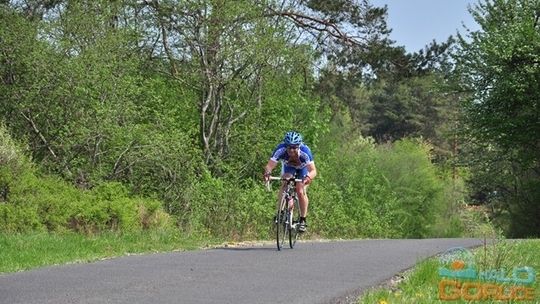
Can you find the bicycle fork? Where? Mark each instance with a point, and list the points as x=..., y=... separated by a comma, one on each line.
x=290, y=212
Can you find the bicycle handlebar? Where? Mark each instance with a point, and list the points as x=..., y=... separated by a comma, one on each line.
x=296, y=180
x=278, y=178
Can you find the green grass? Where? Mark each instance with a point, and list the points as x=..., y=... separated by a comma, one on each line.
x=421, y=285
x=26, y=251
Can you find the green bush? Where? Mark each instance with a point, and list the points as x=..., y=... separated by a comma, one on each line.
x=524, y=207
x=227, y=208
x=417, y=186
x=369, y=190
x=34, y=202
x=351, y=196
x=49, y=204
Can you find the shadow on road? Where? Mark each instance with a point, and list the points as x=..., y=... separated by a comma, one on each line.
x=246, y=248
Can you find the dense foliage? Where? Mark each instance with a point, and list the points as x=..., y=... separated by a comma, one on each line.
x=32, y=202
x=144, y=114
x=500, y=67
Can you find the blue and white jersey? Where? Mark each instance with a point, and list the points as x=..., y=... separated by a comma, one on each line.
x=304, y=156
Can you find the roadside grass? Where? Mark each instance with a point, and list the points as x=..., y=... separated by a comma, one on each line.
x=421, y=284
x=20, y=252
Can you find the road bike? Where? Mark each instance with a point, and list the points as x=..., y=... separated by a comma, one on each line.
x=287, y=220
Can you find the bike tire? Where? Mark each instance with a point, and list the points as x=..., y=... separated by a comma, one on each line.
x=293, y=228
x=281, y=226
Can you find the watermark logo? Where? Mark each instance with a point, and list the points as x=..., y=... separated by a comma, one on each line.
x=461, y=280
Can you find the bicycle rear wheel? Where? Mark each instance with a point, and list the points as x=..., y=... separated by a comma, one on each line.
x=281, y=224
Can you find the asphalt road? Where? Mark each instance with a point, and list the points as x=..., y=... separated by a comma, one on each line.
x=313, y=272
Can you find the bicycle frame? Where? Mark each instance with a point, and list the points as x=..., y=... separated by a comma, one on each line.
x=284, y=220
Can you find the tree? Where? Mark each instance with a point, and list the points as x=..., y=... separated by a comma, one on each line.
x=499, y=67
x=400, y=95
x=231, y=49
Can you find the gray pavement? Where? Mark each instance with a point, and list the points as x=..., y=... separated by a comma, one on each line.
x=313, y=272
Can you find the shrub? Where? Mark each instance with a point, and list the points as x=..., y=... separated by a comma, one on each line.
x=227, y=208
x=34, y=202
x=365, y=190
x=418, y=188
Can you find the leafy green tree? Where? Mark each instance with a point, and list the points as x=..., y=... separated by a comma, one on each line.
x=411, y=107
x=80, y=99
x=499, y=68
x=405, y=97
x=229, y=53
x=66, y=92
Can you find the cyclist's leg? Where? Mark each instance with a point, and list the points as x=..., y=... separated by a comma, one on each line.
x=286, y=172
x=302, y=194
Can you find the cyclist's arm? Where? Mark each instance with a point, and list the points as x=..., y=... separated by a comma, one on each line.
x=312, y=170
x=270, y=166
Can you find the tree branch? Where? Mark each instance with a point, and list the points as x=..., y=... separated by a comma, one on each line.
x=45, y=142
x=317, y=24
x=40, y=135
x=117, y=163
x=174, y=68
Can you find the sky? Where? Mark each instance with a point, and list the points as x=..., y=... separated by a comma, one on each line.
x=415, y=23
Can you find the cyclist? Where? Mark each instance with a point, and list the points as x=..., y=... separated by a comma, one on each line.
x=297, y=161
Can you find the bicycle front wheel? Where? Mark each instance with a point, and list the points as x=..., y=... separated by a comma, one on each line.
x=294, y=219
x=281, y=225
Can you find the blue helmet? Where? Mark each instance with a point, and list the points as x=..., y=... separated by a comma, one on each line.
x=292, y=138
